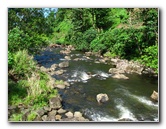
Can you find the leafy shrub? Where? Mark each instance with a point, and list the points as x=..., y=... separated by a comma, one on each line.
x=150, y=57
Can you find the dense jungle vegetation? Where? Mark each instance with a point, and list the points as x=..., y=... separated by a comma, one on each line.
x=127, y=33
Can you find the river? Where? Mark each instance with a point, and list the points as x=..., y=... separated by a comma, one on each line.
x=128, y=99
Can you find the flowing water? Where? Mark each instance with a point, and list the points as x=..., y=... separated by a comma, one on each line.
x=129, y=99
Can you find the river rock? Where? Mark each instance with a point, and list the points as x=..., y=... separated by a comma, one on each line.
x=66, y=84
x=67, y=58
x=55, y=102
x=59, y=72
x=120, y=76
x=60, y=86
x=101, y=98
x=54, y=45
x=125, y=66
x=25, y=113
x=40, y=112
x=54, y=66
x=61, y=111
x=88, y=53
x=44, y=69
x=77, y=114
x=58, y=117
x=64, y=64
x=44, y=118
x=47, y=108
x=66, y=52
x=115, y=70
x=154, y=96
x=51, y=115
x=69, y=114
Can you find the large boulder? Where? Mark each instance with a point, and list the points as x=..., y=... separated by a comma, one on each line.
x=101, y=98
x=154, y=96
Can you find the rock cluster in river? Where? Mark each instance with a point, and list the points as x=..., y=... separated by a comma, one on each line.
x=125, y=66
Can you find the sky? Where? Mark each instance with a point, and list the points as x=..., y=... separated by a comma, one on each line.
x=48, y=11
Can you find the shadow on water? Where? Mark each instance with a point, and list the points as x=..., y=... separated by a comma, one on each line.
x=129, y=99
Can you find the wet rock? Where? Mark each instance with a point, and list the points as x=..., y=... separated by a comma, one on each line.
x=154, y=96
x=69, y=114
x=55, y=103
x=120, y=76
x=101, y=98
x=63, y=64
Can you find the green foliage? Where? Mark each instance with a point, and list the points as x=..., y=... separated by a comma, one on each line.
x=110, y=55
x=10, y=60
x=16, y=91
x=16, y=39
x=97, y=45
x=150, y=57
x=31, y=116
x=59, y=82
x=117, y=16
x=16, y=117
x=19, y=40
